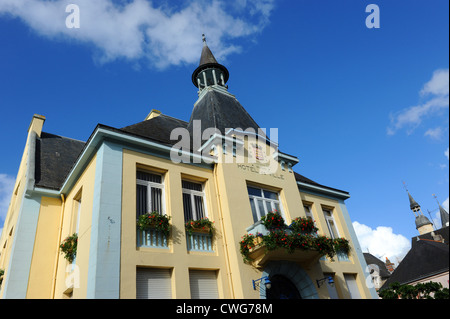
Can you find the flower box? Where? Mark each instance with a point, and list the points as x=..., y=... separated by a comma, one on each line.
x=154, y=221
x=204, y=226
x=69, y=247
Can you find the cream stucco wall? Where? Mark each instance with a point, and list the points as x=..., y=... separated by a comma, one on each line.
x=176, y=257
x=83, y=189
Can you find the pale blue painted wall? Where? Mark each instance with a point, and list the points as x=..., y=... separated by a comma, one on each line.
x=355, y=242
x=16, y=281
x=104, y=253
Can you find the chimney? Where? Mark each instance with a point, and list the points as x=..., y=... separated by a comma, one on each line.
x=36, y=124
x=389, y=265
x=153, y=113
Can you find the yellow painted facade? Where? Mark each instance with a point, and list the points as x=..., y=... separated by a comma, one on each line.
x=98, y=201
x=227, y=204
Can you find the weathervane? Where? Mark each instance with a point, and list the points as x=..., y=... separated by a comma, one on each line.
x=435, y=197
x=404, y=185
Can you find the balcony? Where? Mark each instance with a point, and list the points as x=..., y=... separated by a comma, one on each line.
x=261, y=245
x=201, y=242
x=199, y=235
x=151, y=238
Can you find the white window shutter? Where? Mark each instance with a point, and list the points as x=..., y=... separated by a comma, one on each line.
x=152, y=283
x=352, y=286
x=203, y=284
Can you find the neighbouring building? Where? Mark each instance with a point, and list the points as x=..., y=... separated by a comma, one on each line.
x=379, y=271
x=427, y=260
x=98, y=189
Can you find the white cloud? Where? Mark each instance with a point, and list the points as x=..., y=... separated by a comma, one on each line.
x=434, y=133
x=6, y=189
x=138, y=30
x=437, y=92
x=382, y=242
x=438, y=85
x=446, y=153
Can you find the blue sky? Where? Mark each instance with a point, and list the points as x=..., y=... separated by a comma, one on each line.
x=363, y=109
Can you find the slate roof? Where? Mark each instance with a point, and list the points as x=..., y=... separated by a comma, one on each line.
x=221, y=111
x=442, y=232
x=372, y=260
x=303, y=179
x=426, y=258
x=54, y=157
x=157, y=129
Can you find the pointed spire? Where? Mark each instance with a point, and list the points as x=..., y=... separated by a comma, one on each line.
x=443, y=213
x=207, y=56
x=423, y=224
x=412, y=203
x=209, y=71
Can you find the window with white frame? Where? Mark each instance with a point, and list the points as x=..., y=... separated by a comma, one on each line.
x=308, y=211
x=193, y=201
x=149, y=193
x=331, y=224
x=263, y=202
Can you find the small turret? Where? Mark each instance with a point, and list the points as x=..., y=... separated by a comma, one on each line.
x=423, y=224
x=209, y=72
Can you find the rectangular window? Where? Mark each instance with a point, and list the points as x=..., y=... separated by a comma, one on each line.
x=149, y=193
x=263, y=202
x=193, y=201
x=76, y=215
x=308, y=211
x=350, y=280
x=331, y=224
x=203, y=284
x=153, y=283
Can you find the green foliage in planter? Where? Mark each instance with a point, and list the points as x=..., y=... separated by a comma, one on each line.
x=342, y=245
x=290, y=241
x=247, y=243
x=325, y=246
x=154, y=221
x=303, y=225
x=69, y=247
x=201, y=224
x=273, y=221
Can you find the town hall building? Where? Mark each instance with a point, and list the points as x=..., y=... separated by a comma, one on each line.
x=159, y=209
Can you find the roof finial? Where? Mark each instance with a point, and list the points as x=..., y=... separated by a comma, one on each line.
x=204, y=39
x=404, y=185
x=435, y=197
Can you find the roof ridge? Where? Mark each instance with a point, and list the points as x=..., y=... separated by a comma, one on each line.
x=436, y=241
x=162, y=114
x=69, y=138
